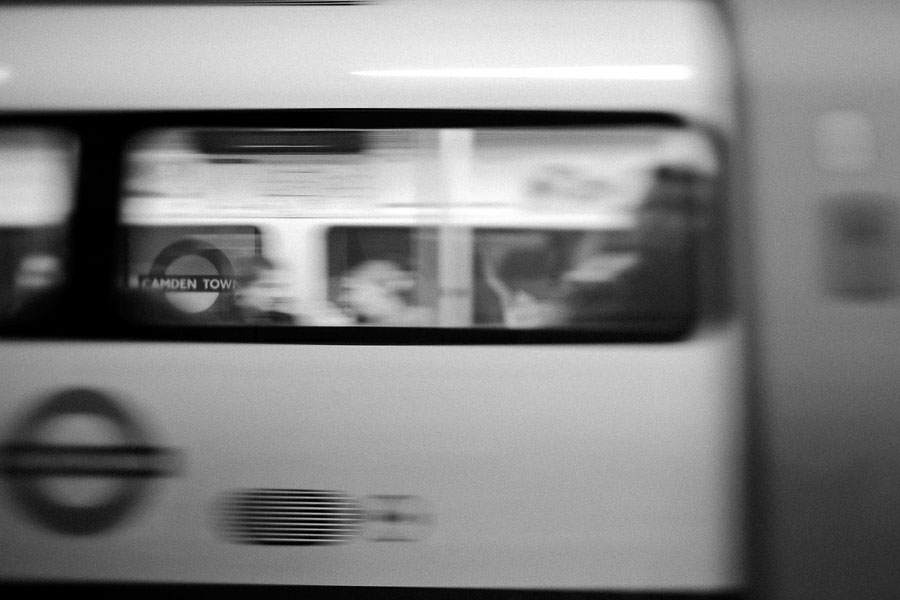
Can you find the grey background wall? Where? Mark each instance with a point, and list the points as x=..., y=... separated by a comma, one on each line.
x=829, y=365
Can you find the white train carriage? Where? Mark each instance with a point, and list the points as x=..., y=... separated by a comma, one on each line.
x=407, y=294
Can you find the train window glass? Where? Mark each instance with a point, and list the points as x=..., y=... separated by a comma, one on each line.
x=590, y=228
x=36, y=196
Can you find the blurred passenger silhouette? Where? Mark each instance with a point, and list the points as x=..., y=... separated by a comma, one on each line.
x=263, y=295
x=653, y=279
x=378, y=292
x=650, y=278
x=660, y=283
x=523, y=282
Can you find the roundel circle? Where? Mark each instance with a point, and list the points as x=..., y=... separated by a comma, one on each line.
x=31, y=461
x=199, y=261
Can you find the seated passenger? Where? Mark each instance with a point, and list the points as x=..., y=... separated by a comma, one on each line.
x=378, y=292
x=529, y=297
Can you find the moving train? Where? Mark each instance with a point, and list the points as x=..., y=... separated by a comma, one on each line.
x=395, y=297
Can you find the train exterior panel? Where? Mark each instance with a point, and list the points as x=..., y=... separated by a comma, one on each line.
x=590, y=460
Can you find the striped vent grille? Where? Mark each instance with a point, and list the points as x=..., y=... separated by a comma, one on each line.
x=290, y=517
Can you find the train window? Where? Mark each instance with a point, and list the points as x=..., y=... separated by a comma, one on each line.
x=36, y=194
x=573, y=229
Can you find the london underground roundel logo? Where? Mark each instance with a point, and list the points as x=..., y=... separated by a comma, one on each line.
x=195, y=276
x=43, y=473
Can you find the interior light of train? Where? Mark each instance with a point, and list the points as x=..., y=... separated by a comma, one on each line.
x=611, y=72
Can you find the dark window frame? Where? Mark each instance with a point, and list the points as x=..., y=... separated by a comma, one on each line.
x=91, y=309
